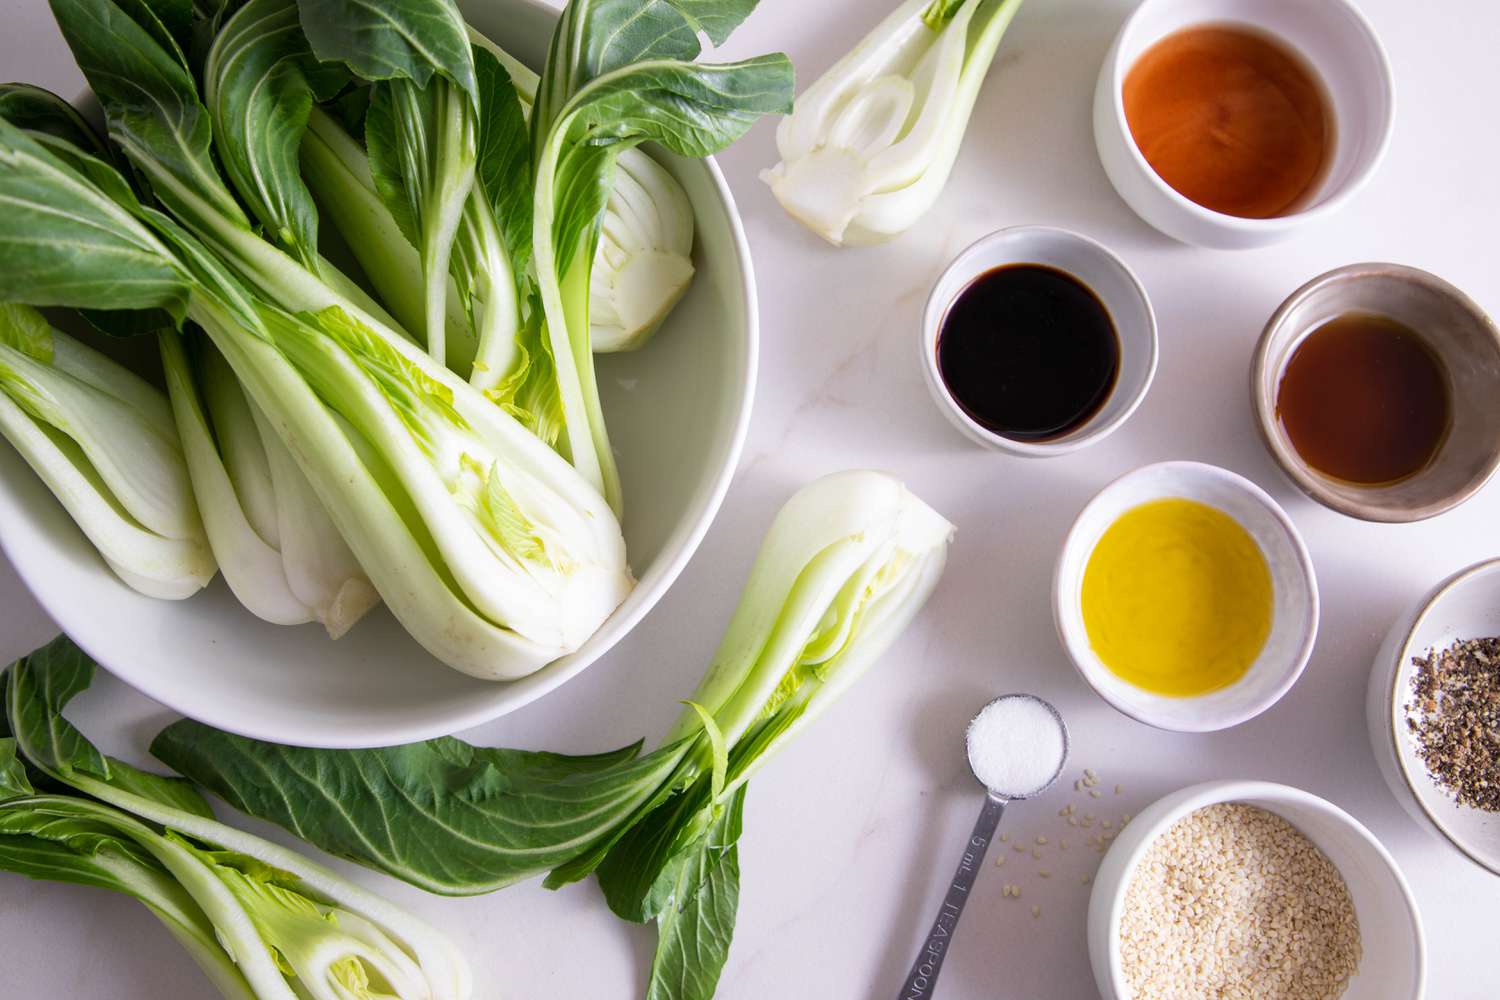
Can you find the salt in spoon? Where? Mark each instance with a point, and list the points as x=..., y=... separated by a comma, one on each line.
x=1017, y=740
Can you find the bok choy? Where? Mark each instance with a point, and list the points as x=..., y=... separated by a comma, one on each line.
x=869, y=146
x=276, y=545
x=103, y=441
x=262, y=922
x=487, y=546
x=845, y=567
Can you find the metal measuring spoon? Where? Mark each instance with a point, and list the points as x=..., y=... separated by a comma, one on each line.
x=922, y=979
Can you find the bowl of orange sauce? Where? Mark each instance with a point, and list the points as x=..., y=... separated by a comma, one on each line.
x=1233, y=123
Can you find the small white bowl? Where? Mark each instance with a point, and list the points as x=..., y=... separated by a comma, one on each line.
x=1294, y=623
x=1105, y=274
x=1331, y=35
x=1394, y=963
x=1464, y=606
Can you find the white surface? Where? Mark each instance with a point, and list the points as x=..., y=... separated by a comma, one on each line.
x=849, y=833
x=679, y=411
x=1294, y=619
x=1103, y=273
x=1465, y=606
x=1389, y=927
x=1356, y=74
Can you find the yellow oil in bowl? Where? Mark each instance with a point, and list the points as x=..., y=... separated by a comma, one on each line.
x=1177, y=598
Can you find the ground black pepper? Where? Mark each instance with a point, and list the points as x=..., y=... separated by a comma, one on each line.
x=1455, y=716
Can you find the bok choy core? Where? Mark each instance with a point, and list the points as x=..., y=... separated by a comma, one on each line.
x=262, y=922
x=869, y=146
x=846, y=566
x=103, y=441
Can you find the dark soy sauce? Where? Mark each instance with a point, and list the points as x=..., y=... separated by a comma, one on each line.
x=1028, y=351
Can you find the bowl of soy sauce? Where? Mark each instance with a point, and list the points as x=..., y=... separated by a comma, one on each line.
x=1038, y=341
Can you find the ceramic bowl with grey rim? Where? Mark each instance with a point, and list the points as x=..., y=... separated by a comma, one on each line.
x=1453, y=326
x=1464, y=606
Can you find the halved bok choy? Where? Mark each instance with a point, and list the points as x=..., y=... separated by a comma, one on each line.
x=845, y=567
x=277, y=547
x=492, y=551
x=263, y=922
x=868, y=147
x=103, y=441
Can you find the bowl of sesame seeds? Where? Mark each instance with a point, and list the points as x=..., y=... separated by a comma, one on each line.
x=1252, y=889
x=1433, y=709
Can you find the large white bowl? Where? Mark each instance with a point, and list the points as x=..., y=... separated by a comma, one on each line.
x=1394, y=965
x=677, y=411
x=1294, y=619
x=1464, y=606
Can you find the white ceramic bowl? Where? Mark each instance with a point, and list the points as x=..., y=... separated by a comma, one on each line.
x=1332, y=35
x=677, y=410
x=1394, y=964
x=1464, y=606
x=1294, y=623
x=1117, y=287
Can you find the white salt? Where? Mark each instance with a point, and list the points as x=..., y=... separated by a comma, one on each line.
x=1016, y=746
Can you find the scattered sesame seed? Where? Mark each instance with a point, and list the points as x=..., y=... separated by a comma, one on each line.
x=1004, y=837
x=1044, y=873
x=1089, y=773
x=1106, y=824
x=1117, y=789
x=1019, y=848
x=1083, y=880
x=1094, y=793
x=1042, y=841
x=1036, y=911
x=1000, y=861
x=1063, y=844
x=1036, y=855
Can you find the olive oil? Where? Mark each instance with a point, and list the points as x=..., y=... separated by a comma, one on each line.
x=1029, y=352
x=1177, y=598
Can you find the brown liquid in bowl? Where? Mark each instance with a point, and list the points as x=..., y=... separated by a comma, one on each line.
x=1230, y=118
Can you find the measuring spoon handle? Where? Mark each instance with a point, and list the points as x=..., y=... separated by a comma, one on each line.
x=922, y=980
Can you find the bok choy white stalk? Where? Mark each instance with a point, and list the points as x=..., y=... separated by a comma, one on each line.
x=103, y=441
x=262, y=921
x=277, y=547
x=487, y=546
x=869, y=146
x=847, y=564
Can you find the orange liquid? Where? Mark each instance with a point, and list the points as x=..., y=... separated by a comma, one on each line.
x=1231, y=119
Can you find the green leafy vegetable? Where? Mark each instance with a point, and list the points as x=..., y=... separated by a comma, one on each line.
x=103, y=441
x=691, y=109
x=389, y=441
x=846, y=565
x=261, y=920
x=260, y=81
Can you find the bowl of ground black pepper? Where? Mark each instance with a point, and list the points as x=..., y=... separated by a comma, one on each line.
x=1433, y=709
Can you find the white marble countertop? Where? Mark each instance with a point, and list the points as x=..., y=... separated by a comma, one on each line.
x=852, y=831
